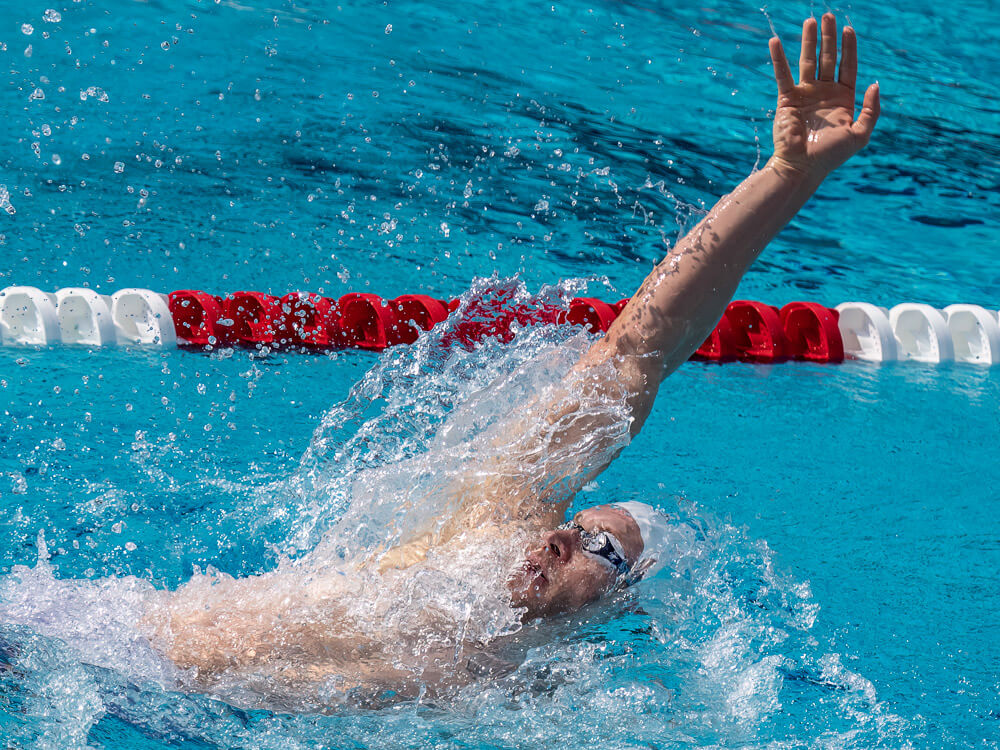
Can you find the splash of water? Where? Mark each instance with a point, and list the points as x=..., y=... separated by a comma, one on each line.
x=425, y=429
x=717, y=647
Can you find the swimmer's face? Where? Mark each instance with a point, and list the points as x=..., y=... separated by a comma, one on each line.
x=558, y=576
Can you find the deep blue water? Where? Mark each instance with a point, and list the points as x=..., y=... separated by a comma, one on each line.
x=841, y=587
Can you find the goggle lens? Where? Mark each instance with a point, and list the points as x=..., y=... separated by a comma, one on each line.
x=601, y=544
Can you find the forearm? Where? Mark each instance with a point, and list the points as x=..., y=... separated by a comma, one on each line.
x=665, y=321
x=230, y=623
x=685, y=295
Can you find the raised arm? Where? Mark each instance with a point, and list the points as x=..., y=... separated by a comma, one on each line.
x=679, y=303
x=559, y=441
x=683, y=298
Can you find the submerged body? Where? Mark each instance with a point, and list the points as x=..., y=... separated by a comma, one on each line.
x=312, y=634
x=303, y=636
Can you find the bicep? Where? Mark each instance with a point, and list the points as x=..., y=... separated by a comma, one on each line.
x=561, y=439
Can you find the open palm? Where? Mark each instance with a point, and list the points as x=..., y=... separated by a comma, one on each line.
x=814, y=126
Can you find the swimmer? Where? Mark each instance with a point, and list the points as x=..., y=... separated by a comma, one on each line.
x=302, y=630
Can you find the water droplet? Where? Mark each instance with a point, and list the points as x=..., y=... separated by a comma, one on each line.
x=51, y=16
x=119, y=167
x=18, y=483
x=27, y=29
x=95, y=92
x=388, y=28
x=5, y=203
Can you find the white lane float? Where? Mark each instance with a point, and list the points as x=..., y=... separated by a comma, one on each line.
x=922, y=333
x=866, y=331
x=142, y=316
x=28, y=317
x=85, y=317
x=975, y=333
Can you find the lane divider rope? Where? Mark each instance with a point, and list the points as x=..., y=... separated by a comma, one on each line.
x=748, y=331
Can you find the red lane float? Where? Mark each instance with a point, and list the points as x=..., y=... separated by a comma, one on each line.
x=812, y=332
x=596, y=315
x=308, y=320
x=483, y=317
x=493, y=314
x=198, y=318
x=755, y=332
x=749, y=330
x=256, y=317
x=415, y=313
x=760, y=337
x=364, y=321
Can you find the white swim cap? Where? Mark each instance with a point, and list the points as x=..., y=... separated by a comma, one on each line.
x=654, y=526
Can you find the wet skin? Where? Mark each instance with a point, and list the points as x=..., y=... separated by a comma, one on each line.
x=557, y=575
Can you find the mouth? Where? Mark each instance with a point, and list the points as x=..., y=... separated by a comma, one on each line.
x=529, y=573
x=534, y=570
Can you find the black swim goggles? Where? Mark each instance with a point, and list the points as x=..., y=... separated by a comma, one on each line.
x=602, y=544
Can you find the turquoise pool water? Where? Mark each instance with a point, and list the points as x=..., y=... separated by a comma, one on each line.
x=836, y=576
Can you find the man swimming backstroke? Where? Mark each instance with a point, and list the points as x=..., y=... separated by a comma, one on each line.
x=292, y=634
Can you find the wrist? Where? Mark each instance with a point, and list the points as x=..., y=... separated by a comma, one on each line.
x=794, y=175
x=788, y=171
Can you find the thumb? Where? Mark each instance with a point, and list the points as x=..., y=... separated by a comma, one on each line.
x=870, y=110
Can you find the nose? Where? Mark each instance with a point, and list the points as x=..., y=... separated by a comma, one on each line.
x=558, y=543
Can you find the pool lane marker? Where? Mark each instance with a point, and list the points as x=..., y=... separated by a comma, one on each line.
x=748, y=331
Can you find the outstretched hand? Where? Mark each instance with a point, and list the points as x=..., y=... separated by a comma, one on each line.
x=814, y=126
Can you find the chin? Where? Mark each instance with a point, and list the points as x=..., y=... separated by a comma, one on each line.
x=530, y=604
x=524, y=586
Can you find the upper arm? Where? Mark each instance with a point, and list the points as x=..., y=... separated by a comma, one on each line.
x=543, y=454
x=538, y=459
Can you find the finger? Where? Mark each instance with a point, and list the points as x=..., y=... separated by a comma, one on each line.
x=849, y=58
x=828, y=48
x=782, y=73
x=807, y=57
x=870, y=109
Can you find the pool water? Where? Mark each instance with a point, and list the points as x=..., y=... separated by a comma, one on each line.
x=835, y=582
